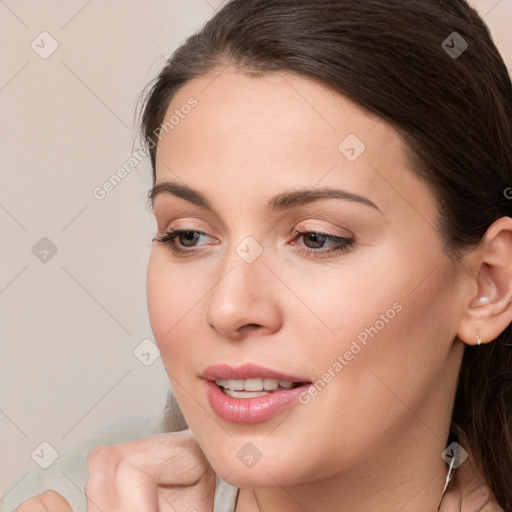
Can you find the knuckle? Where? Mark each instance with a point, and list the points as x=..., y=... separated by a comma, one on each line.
x=103, y=463
x=103, y=457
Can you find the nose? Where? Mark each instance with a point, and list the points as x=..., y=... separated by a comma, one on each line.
x=245, y=300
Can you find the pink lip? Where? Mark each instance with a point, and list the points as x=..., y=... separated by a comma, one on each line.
x=247, y=371
x=249, y=410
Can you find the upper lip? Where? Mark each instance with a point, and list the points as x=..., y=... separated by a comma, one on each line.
x=247, y=371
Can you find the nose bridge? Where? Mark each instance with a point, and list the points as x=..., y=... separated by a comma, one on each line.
x=242, y=272
x=241, y=296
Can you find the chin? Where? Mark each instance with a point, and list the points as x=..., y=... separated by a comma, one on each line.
x=261, y=477
x=246, y=467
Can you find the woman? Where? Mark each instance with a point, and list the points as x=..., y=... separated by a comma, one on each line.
x=331, y=278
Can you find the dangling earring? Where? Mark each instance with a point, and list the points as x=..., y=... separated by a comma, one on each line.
x=478, y=340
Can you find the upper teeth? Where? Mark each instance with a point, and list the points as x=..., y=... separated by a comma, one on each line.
x=253, y=384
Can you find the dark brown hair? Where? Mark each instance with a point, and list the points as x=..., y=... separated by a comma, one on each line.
x=394, y=58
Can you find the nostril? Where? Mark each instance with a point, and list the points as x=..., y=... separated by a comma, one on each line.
x=249, y=328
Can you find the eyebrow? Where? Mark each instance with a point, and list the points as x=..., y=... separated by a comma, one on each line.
x=279, y=202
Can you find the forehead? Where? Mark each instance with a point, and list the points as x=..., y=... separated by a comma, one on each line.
x=279, y=109
x=282, y=129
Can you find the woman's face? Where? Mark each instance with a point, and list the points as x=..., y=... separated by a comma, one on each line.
x=310, y=261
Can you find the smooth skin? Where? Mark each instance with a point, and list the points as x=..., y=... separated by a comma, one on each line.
x=372, y=438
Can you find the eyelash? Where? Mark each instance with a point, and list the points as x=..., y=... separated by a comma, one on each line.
x=344, y=244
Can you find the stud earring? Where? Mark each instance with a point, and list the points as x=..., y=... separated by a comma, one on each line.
x=482, y=300
x=478, y=340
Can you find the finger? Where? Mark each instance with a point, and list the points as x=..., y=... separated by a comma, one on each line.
x=49, y=501
x=54, y=502
x=100, y=489
x=135, y=475
x=32, y=505
x=138, y=490
x=183, y=500
x=116, y=486
x=171, y=459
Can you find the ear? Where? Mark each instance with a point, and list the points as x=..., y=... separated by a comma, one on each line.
x=489, y=308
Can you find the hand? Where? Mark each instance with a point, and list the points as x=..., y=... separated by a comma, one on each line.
x=164, y=473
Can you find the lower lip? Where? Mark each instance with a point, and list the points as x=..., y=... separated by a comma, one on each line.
x=250, y=410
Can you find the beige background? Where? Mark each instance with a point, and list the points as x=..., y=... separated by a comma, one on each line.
x=69, y=325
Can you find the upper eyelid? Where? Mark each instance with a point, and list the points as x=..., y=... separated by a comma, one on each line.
x=206, y=213
x=169, y=226
x=302, y=219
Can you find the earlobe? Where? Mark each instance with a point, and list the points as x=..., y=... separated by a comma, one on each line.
x=489, y=310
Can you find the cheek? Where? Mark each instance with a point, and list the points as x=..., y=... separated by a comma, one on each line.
x=394, y=332
x=173, y=301
x=390, y=319
x=357, y=301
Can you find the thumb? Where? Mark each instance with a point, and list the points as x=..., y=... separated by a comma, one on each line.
x=49, y=501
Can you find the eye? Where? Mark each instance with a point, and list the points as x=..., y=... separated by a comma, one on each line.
x=315, y=243
x=176, y=239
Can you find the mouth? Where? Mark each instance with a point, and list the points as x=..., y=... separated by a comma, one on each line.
x=249, y=393
x=253, y=388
